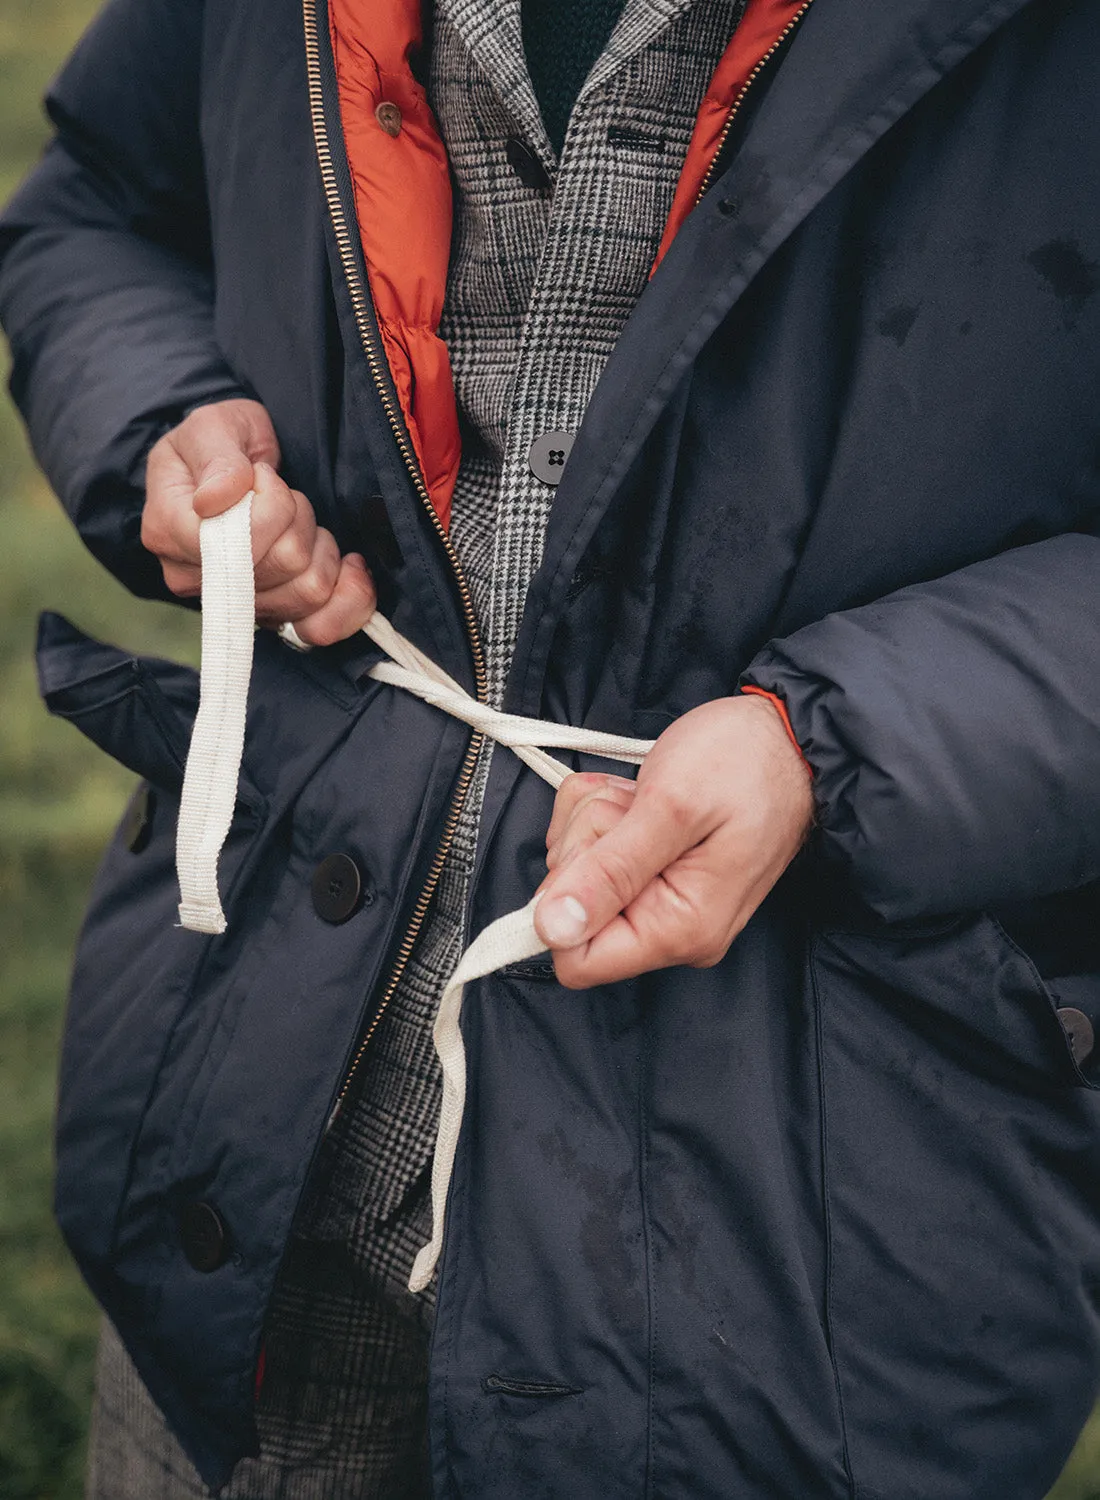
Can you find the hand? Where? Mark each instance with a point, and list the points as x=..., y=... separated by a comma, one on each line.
x=668, y=869
x=203, y=467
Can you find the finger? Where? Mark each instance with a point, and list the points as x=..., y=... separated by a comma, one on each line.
x=220, y=444
x=184, y=580
x=596, y=815
x=574, y=790
x=580, y=899
x=169, y=525
x=311, y=589
x=347, y=610
x=674, y=920
x=284, y=530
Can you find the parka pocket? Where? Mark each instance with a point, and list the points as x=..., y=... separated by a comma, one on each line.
x=135, y=967
x=138, y=710
x=962, y=1170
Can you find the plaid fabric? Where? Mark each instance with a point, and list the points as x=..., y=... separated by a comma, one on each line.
x=540, y=285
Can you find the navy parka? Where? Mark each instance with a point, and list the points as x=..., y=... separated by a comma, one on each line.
x=822, y=1220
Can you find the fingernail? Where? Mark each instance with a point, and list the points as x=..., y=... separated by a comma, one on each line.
x=563, y=921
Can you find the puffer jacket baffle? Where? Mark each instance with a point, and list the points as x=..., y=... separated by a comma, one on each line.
x=820, y=1221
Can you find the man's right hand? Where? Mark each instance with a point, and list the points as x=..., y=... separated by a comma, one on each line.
x=202, y=468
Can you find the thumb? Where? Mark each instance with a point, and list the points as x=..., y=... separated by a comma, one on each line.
x=579, y=900
x=216, y=445
x=222, y=477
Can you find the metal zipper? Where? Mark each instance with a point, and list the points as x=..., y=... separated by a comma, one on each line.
x=735, y=107
x=379, y=370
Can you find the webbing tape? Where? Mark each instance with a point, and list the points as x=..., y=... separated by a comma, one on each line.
x=213, y=771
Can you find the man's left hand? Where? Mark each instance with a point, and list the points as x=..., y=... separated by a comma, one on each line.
x=668, y=869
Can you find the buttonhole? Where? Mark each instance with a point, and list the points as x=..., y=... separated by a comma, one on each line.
x=634, y=140
x=501, y=1385
x=540, y=967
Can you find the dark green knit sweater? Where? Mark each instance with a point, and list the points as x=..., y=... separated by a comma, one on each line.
x=562, y=39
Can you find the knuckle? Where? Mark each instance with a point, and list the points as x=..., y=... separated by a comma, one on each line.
x=707, y=958
x=617, y=871
x=181, y=581
x=324, y=632
x=708, y=948
x=569, y=973
x=671, y=803
x=291, y=554
x=312, y=589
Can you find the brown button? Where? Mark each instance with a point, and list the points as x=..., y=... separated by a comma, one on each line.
x=389, y=117
x=1079, y=1032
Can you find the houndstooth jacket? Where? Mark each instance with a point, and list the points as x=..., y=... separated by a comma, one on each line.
x=541, y=282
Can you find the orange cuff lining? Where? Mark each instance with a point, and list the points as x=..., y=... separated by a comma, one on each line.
x=781, y=709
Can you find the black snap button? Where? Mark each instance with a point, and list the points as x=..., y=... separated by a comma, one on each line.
x=526, y=165
x=548, y=454
x=389, y=117
x=1079, y=1031
x=137, y=824
x=336, y=888
x=203, y=1236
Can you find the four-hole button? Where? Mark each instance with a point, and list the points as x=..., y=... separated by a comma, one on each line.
x=336, y=888
x=548, y=454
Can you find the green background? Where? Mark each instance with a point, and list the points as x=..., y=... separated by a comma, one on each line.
x=59, y=799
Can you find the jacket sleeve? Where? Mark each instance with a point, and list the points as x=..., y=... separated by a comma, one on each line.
x=106, y=290
x=953, y=729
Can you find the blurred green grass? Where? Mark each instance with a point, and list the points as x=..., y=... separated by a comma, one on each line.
x=59, y=799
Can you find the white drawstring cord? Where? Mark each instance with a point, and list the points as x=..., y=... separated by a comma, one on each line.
x=217, y=741
x=213, y=771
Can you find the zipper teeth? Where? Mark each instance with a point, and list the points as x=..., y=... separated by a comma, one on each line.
x=366, y=332
x=409, y=940
x=360, y=308
x=735, y=107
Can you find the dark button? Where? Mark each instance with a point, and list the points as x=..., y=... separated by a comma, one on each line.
x=137, y=825
x=548, y=454
x=1079, y=1032
x=526, y=165
x=336, y=888
x=389, y=117
x=203, y=1236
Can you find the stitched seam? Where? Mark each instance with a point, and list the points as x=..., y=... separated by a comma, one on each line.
x=819, y=1032
x=651, y=1331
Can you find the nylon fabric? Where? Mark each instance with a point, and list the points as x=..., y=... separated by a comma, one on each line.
x=213, y=771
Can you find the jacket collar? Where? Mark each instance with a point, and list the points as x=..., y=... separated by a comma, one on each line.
x=493, y=36
x=855, y=69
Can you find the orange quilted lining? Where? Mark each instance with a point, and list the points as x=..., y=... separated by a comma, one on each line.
x=402, y=191
x=403, y=203
x=762, y=25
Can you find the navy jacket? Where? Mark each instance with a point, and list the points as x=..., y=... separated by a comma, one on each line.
x=822, y=1220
